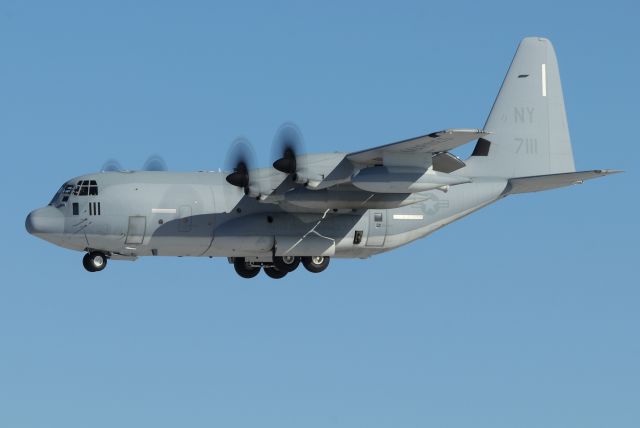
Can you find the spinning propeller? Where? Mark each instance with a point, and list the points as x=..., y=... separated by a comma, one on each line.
x=287, y=146
x=111, y=165
x=153, y=163
x=241, y=160
x=285, y=149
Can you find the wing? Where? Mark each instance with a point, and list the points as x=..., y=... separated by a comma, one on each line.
x=417, y=164
x=415, y=151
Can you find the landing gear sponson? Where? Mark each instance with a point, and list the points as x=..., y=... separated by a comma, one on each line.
x=280, y=266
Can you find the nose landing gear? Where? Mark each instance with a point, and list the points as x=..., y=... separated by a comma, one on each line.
x=95, y=261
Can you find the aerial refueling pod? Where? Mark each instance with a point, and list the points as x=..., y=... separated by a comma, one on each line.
x=383, y=179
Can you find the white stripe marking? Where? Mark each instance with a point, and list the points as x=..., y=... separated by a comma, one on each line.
x=408, y=216
x=163, y=210
x=544, y=80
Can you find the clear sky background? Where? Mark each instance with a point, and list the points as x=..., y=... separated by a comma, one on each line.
x=524, y=314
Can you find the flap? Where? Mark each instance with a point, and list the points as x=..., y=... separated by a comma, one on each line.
x=435, y=142
x=446, y=162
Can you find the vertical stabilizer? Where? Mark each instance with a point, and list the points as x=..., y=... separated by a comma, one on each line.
x=528, y=124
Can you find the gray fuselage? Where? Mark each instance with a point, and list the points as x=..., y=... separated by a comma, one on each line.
x=132, y=214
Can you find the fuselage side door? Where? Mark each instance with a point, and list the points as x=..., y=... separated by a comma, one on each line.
x=377, y=228
x=136, y=230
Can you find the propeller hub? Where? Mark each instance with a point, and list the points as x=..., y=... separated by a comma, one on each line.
x=240, y=176
x=287, y=163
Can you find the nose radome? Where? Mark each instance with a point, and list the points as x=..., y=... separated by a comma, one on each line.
x=45, y=221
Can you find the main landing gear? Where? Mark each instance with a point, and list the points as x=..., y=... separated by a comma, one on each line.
x=245, y=269
x=280, y=266
x=94, y=261
x=315, y=264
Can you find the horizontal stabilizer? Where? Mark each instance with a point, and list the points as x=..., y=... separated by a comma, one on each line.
x=539, y=183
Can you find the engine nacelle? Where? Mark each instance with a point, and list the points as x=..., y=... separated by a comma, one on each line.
x=323, y=170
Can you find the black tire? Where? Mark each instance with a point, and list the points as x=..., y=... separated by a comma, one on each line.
x=244, y=269
x=287, y=263
x=315, y=264
x=274, y=272
x=94, y=261
x=86, y=262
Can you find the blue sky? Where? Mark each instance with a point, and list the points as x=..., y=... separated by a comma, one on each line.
x=523, y=314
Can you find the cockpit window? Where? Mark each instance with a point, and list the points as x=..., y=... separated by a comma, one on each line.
x=86, y=187
x=64, y=190
x=56, y=196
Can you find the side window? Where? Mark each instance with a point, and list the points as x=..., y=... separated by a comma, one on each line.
x=76, y=208
x=93, y=188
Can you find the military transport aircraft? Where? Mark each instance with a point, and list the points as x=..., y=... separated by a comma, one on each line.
x=307, y=208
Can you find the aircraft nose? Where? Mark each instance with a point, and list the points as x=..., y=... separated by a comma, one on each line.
x=45, y=221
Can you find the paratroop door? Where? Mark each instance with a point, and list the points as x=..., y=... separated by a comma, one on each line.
x=137, y=227
x=377, y=228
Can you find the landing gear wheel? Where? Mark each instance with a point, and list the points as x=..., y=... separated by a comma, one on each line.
x=286, y=263
x=244, y=269
x=315, y=264
x=274, y=272
x=94, y=261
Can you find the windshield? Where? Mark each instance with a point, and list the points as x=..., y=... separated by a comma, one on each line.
x=56, y=196
x=86, y=187
x=63, y=192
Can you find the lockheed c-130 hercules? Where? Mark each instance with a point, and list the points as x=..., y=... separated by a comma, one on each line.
x=307, y=208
